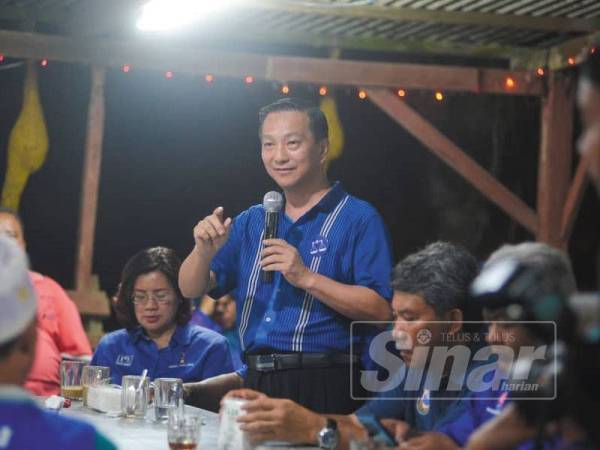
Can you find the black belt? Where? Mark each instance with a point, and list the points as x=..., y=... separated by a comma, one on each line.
x=269, y=363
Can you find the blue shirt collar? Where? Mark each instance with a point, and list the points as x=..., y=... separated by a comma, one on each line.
x=329, y=200
x=181, y=336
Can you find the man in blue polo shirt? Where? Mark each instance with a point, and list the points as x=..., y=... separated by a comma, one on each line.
x=23, y=425
x=429, y=305
x=521, y=302
x=331, y=262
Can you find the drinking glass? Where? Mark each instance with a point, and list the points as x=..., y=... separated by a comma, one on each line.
x=93, y=376
x=167, y=392
x=183, y=431
x=70, y=379
x=134, y=401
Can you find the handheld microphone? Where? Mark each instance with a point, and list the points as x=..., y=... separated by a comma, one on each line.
x=272, y=202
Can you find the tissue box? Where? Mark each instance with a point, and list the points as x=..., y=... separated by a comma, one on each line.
x=104, y=398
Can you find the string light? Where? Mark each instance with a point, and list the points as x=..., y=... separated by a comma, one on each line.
x=509, y=83
x=439, y=96
x=44, y=63
x=571, y=61
x=209, y=78
x=126, y=68
x=249, y=79
x=285, y=89
x=401, y=93
x=1, y=57
x=362, y=94
x=322, y=91
x=540, y=72
x=168, y=75
x=592, y=50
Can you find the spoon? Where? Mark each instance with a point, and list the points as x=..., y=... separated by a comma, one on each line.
x=132, y=394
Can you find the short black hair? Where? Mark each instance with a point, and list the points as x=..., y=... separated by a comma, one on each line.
x=316, y=118
x=7, y=347
x=152, y=259
x=590, y=67
x=441, y=273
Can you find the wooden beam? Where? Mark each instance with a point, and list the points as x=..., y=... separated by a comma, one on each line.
x=87, y=295
x=91, y=180
x=151, y=55
x=452, y=155
x=574, y=198
x=557, y=57
x=403, y=14
x=556, y=153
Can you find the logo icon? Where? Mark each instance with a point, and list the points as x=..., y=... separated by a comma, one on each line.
x=424, y=403
x=124, y=360
x=424, y=336
x=319, y=246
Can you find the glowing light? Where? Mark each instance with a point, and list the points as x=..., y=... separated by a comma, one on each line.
x=323, y=91
x=362, y=94
x=509, y=83
x=249, y=79
x=44, y=63
x=592, y=50
x=168, y=75
x=401, y=93
x=164, y=15
x=439, y=96
x=571, y=61
x=285, y=89
x=540, y=72
x=1, y=58
x=209, y=78
x=126, y=68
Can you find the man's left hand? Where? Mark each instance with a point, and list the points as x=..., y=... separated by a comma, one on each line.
x=268, y=419
x=282, y=257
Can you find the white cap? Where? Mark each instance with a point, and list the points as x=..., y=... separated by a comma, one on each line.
x=18, y=302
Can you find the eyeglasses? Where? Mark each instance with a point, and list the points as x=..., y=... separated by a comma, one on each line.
x=161, y=298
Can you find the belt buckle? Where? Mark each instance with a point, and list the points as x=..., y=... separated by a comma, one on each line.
x=265, y=363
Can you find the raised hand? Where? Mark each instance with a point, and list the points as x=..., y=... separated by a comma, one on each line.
x=211, y=233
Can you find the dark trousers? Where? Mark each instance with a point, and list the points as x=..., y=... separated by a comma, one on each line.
x=322, y=390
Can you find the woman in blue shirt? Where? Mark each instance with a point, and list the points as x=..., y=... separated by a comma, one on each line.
x=157, y=335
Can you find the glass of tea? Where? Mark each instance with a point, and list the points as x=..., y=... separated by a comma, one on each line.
x=183, y=430
x=71, y=372
x=93, y=376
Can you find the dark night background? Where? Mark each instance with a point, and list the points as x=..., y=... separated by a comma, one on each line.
x=175, y=149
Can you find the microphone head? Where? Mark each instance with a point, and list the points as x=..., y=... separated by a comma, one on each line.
x=273, y=201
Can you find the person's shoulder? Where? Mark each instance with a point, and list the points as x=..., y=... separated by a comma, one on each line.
x=71, y=432
x=114, y=337
x=41, y=280
x=204, y=336
x=361, y=208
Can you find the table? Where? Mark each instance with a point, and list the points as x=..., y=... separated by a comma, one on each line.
x=146, y=434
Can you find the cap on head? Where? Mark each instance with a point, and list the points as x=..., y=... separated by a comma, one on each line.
x=18, y=302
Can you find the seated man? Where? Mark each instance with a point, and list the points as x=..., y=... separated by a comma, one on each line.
x=59, y=325
x=23, y=425
x=509, y=304
x=430, y=285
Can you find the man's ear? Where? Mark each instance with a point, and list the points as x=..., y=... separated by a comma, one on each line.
x=324, y=150
x=455, y=317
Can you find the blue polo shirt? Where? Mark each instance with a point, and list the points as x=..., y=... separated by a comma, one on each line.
x=193, y=354
x=342, y=238
x=25, y=426
x=424, y=409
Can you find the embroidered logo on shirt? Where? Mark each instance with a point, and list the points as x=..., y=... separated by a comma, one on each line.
x=5, y=436
x=182, y=359
x=424, y=403
x=319, y=246
x=124, y=360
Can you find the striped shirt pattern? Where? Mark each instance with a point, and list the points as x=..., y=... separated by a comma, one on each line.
x=341, y=237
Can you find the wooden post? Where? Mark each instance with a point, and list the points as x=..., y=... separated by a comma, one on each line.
x=451, y=154
x=555, y=159
x=87, y=296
